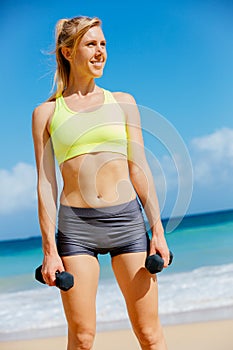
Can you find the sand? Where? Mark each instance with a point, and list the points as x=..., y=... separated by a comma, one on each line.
x=196, y=336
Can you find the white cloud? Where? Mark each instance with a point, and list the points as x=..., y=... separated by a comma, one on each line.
x=219, y=144
x=17, y=188
x=213, y=158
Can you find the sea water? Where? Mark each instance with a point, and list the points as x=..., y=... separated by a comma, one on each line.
x=197, y=286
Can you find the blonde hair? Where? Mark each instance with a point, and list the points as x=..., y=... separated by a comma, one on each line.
x=69, y=33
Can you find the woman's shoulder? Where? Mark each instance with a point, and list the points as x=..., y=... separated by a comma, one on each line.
x=124, y=97
x=45, y=108
x=127, y=103
x=43, y=112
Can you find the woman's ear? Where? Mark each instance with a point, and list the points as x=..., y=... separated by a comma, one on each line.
x=66, y=51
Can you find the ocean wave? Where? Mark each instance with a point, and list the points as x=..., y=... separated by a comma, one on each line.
x=209, y=287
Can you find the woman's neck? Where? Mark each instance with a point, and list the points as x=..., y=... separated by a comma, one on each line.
x=80, y=86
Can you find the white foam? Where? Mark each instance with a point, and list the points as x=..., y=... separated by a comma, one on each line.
x=204, y=288
x=198, y=290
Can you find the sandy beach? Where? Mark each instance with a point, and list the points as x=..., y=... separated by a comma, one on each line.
x=202, y=336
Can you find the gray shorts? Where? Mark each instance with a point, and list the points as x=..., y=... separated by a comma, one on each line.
x=115, y=229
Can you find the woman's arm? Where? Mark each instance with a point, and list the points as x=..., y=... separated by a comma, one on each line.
x=141, y=176
x=46, y=190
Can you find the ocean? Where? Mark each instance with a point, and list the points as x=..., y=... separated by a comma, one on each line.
x=198, y=286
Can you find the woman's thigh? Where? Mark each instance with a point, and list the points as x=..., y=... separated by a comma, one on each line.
x=80, y=301
x=139, y=288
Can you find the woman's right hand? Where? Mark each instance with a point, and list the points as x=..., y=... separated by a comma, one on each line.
x=51, y=264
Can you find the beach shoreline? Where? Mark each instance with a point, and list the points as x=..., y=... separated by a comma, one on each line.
x=211, y=335
x=176, y=319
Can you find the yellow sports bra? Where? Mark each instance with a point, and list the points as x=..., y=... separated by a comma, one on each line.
x=101, y=130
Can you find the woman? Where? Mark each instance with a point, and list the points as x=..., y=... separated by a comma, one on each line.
x=97, y=140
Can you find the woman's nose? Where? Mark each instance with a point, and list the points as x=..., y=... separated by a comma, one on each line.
x=99, y=48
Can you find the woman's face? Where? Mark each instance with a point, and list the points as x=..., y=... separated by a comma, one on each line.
x=90, y=55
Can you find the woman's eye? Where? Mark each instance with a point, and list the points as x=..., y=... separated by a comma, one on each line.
x=90, y=44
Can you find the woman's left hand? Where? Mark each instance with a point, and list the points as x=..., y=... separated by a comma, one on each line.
x=158, y=244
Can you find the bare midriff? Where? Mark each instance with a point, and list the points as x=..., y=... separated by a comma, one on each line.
x=96, y=180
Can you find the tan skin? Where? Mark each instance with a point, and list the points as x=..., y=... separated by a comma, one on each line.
x=112, y=179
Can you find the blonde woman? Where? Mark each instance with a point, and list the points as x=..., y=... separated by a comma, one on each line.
x=96, y=137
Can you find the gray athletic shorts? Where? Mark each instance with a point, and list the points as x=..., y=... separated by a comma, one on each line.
x=115, y=229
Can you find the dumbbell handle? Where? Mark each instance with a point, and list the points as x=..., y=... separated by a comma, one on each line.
x=64, y=280
x=154, y=263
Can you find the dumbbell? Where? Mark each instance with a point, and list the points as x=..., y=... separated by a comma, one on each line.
x=154, y=263
x=64, y=280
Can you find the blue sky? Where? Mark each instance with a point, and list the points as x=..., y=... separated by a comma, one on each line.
x=175, y=57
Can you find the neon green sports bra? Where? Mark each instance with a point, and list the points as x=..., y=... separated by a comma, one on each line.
x=101, y=130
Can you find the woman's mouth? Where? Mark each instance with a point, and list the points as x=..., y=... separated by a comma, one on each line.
x=97, y=64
